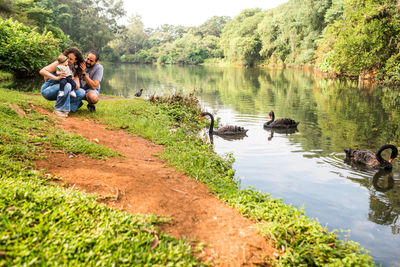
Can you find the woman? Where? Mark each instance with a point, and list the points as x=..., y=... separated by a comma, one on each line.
x=66, y=103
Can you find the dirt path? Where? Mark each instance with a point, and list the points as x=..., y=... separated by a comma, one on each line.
x=141, y=183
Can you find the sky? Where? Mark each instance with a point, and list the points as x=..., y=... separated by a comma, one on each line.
x=190, y=13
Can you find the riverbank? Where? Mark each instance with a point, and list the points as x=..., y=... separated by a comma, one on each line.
x=167, y=122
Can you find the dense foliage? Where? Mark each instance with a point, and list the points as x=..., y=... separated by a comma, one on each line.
x=346, y=37
x=88, y=24
x=240, y=40
x=167, y=43
x=364, y=39
x=24, y=50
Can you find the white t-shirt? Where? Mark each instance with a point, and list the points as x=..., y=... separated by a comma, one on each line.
x=65, y=69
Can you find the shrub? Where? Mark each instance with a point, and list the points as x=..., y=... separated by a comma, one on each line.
x=23, y=50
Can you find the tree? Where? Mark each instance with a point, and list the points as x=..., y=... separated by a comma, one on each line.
x=240, y=40
x=364, y=39
x=24, y=50
x=213, y=26
x=289, y=33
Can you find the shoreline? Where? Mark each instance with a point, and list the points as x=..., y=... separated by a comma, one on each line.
x=294, y=234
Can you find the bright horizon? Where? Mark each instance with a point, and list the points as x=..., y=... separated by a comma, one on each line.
x=155, y=13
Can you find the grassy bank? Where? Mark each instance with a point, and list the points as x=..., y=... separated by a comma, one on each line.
x=6, y=76
x=173, y=122
x=43, y=224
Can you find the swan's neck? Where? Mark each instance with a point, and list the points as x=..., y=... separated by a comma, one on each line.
x=272, y=117
x=211, y=125
x=379, y=156
x=211, y=130
x=392, y=156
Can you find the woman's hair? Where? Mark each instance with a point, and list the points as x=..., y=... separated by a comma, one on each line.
x=79, y=59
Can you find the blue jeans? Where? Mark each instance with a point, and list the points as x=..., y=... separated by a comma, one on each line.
x=65, y=103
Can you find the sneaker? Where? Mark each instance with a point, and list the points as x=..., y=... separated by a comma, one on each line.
x=73, y=94
x=60, y=93
x=91, y=108
x=61, y=113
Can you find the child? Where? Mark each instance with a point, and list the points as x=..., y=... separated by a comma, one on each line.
x=63, y=67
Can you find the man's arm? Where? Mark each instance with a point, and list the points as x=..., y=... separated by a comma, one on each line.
x=92, y=83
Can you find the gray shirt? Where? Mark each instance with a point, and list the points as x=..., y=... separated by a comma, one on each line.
x=95, y=73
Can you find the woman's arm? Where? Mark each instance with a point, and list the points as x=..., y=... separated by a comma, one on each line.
x=76, y=80
x=46, y=72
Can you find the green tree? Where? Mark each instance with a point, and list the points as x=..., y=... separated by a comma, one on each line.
x=364, y=39
x=213, y=26
x=131, y=39
x=6, y=8
x=24, y=50
x=289, y=33
x=240, y=40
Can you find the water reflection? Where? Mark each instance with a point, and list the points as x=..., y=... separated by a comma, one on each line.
x=381, y=184
x=287, y=131
x=227, y=137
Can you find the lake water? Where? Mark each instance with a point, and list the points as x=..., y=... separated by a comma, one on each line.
x=305, y=168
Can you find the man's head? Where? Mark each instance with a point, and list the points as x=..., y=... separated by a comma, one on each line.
x=62, y=60
x=92, y=58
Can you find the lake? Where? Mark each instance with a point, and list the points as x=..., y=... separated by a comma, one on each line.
x=305, y=168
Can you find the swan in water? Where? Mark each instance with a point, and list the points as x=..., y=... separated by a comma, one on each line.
x=280, y=123
x=225, y=130
x=371, y=159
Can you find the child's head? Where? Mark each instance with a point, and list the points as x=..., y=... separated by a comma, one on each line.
x=62, y=60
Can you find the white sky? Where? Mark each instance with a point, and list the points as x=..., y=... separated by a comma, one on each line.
x=190, y=13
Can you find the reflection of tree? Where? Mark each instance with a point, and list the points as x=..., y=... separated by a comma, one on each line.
x=381, y=212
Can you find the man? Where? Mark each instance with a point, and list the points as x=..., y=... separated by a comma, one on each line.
x=92, y=73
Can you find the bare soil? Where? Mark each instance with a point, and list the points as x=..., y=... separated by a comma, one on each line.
x=141, y=182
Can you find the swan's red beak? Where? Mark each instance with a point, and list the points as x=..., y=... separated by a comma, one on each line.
x=390, y=160
x=201, y=116
x=270, y=116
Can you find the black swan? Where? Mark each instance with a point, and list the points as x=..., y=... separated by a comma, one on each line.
x=371, y=159
x=280, y=123
x=225, y=130
x=138, y=94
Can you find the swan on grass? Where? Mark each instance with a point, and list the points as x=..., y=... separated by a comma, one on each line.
x=371, y=159
x=227, y=130
x=282, y=123
x=138, y=94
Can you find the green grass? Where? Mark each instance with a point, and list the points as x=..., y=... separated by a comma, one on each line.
x=303, y=241
x=42, y=224
x=5, y=76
